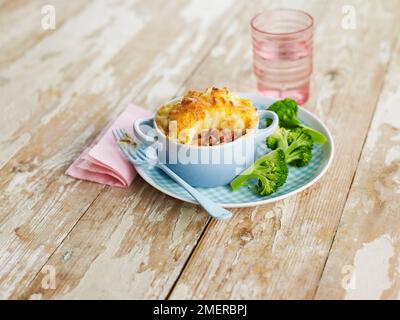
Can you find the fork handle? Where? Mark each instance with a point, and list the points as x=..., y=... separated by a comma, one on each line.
x=210, y=206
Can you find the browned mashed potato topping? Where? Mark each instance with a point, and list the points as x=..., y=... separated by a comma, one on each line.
x=207, y=118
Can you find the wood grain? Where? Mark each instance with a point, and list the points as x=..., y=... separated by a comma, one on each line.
x=20, y=22
x=279, y=251
x=365, y=257
x=59, y=88
x=66, y=60
x=40, y=206
x=140, y=242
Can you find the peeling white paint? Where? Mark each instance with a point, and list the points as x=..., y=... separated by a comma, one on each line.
x=396, y=137
x=19, y=179
x=284, y=211
x=363, y=201
x=217, y=52
x=103, y=81
x=160, y=92
x=252, y=214
x=220, y=50
x=396, y=180
x=8, y=150
x=204, y=12
x=166, y=65
x=392, y=155
x=326, y=92
x=12, y=269
x=53, y=71
x=36, y=296
x=387, y=112
x=180, y=291
x=270, y=214
x=234, y=51
x=248, y=288
x=384, y=52
x=165, y=70
x=128, y=276
x=371, y=269
x=111, y=277
x=188, y=213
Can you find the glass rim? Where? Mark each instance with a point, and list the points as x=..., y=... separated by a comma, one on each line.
x=252, y=22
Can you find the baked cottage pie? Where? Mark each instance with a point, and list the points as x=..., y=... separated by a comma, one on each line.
x=206, y=118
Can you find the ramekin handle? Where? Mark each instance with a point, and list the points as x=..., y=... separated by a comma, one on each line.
x=140, y=134
x=266, y=114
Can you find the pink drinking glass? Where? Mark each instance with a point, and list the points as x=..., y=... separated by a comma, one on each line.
x=282, y=53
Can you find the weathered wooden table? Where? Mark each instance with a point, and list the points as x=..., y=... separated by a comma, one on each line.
x=63, y=238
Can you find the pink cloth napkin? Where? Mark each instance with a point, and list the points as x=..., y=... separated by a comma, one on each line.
x=102, y=161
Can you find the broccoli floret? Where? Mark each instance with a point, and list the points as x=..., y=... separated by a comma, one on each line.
x=296, y=143
x=286, y=111
x=279, y=139
x=271, y=171
x=300, y=157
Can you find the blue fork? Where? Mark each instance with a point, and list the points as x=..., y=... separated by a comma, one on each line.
x=138, y=157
